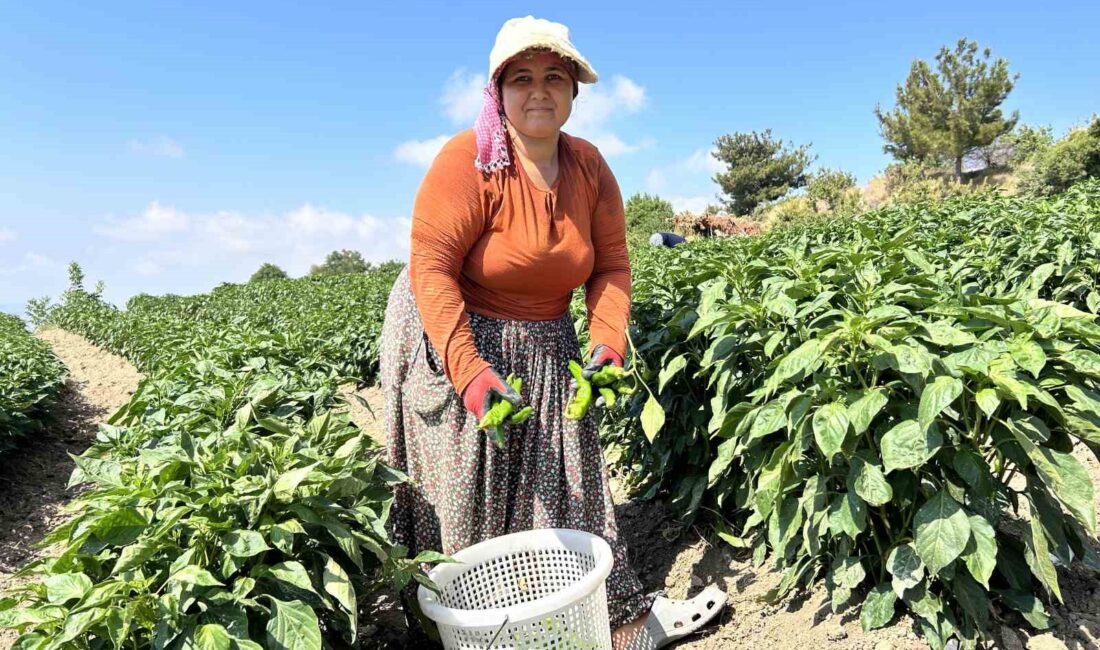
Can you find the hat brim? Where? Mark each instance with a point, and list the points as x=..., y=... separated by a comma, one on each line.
x=585, y=73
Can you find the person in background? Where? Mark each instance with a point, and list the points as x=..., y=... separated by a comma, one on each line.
x=666, y=239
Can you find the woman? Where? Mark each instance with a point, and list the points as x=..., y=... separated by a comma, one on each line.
x=513, y=216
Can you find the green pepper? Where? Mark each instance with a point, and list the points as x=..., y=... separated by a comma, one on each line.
x=607, y=375
x=503, y=412
x=521, y=415
x=578, y=406
x=496, y=415
x=608, y=396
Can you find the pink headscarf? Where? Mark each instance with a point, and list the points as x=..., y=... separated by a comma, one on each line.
x=491, y=132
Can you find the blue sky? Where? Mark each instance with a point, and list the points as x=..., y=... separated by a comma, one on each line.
x=169, y=148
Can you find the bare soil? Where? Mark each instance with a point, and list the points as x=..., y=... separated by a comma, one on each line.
x=666, y=555
x=34, y=475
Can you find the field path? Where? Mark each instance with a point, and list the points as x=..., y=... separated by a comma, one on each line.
x=33, y=476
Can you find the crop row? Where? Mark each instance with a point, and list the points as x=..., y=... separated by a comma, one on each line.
x=30, y=378
x=890, y=403
x=230, y=504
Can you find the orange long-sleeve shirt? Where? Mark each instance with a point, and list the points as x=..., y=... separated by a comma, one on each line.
x=497, y=245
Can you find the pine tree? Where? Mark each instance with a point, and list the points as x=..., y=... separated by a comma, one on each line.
x=759, y=169
x=942, y=115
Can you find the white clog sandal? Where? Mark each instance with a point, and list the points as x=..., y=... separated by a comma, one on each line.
x=671, y=620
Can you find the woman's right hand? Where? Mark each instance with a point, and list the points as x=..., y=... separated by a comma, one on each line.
x=479, y=394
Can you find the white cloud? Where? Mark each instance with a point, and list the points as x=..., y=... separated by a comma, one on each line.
x=6, y=234
x=596, y=107
x=152, y=224
x=462, y=96
x=703, y=160
x=160, y=146
x=690, y=203
x=420, y=152
x=691, y=175
x=190, y=252
x=31, y=262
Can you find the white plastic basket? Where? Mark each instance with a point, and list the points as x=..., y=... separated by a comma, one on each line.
x=533, y=589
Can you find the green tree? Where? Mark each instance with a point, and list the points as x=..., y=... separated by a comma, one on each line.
x=836, y=189
x=76, y=277
x=759, y=169
x=342, y=261
x=1027, y=142
x=646, y=215
x=268, y=271
x=1073, y=158
x=942, y=115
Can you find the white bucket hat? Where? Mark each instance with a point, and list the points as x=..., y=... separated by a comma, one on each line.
x=519, y=34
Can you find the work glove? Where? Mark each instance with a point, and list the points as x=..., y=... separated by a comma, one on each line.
x=601, y=356
x=485, y=388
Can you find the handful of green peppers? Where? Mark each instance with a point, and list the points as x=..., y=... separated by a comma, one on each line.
x=608, y=381
x=503, y=412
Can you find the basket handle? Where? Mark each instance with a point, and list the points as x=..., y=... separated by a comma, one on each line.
x=499, y=630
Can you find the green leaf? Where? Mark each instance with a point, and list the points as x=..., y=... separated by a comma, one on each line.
x=1064, y=476
x=288, y=482
x=936, y=397
x=781, y=305
x=988, y=401
x=863, y=411
x=193, y=574
x=212, y=637
x=721, y=460
x=292, y=573
x=120, y=527
x=973, y=599
x=878, y=608
x=870, y=483
x=910, y=359
x=135, y=555
x=653, y=417
x=770, y=418
x=282, y=534
x=1029, y=605
x=292, y=626
x=980, y=553
x=245, y=543
x=905, y=566
x=847, y=514
x=800, y=360
x=669, y=371
x=830, y=424
x=907, y=445
x=338, y=585
x=941, y=531
x=944, y=334
x=1038, y=558
x=1028, y=355
x=63, y=587
x=1084, y=361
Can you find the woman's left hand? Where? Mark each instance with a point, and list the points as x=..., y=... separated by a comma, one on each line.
x=601, y=356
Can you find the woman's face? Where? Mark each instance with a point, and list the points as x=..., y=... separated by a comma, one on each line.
x=537, y=94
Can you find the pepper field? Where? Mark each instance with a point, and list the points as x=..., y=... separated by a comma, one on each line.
x=892, y=405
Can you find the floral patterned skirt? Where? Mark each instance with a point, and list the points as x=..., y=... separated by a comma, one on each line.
x=465, y=489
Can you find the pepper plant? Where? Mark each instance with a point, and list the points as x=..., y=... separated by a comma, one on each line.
x=888, y=403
